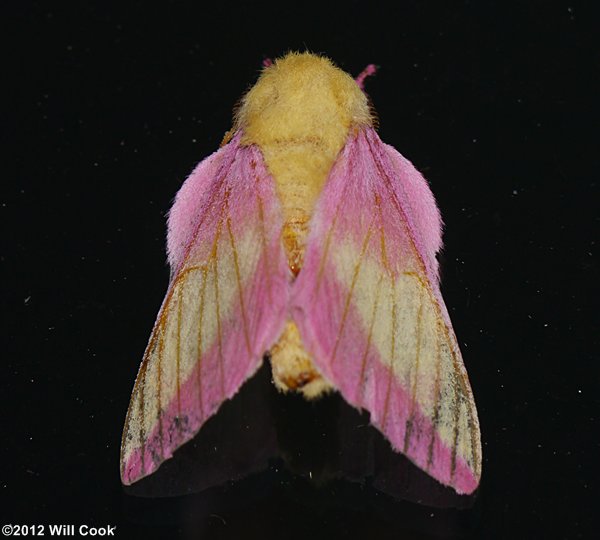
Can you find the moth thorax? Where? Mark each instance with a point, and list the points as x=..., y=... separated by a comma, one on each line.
x=302, y=97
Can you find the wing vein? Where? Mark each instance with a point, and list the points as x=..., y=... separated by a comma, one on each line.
x=201, y=337
x=178, y=355
x=208, y=207
x=457, y=406
x=217, y=307
x=384, y=260
x=326, y=247
x=360, y=388
x=392, y=359
x=263, y=237
x=142, y=431
x=409, y=421
x=159, y=367
x=436, y=402
x=239, y=285
x=351, y=291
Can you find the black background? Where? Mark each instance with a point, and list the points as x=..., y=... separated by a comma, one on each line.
x=108, y=110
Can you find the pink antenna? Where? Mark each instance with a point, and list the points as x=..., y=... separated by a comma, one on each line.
x=371, y=69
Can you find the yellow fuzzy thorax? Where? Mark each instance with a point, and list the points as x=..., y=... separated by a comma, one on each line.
x=302, y=97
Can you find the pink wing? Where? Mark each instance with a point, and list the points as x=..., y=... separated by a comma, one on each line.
x=225, y=306
x=369, y=309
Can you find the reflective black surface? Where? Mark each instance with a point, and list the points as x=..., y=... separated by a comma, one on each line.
x=109, y=108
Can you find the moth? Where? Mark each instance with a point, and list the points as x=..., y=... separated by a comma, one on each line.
x=306, y=239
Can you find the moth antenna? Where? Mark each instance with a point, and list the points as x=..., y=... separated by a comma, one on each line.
x=371, y=69
x=267, y=62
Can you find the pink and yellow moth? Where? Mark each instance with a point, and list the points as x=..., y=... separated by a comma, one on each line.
x=307, y=239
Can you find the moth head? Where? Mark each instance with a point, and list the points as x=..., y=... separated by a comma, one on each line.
x=302, y=96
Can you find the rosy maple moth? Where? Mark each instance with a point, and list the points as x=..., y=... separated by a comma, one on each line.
x=306, y=239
